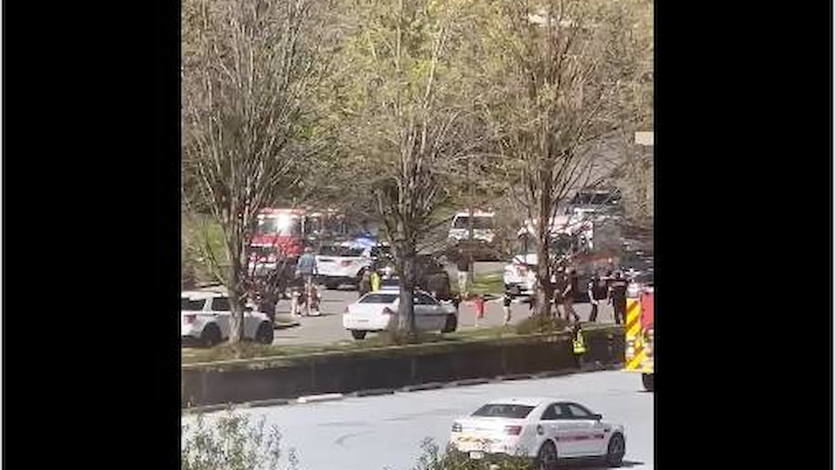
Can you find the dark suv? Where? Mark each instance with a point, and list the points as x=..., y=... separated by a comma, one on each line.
x=430, y=275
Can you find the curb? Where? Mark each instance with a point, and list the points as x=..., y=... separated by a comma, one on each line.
x=207, y=408
x=426, y=386
x=270, y=402
x=373, y=392
x=553, y=373
x=506, y=378
x=320, y=398
x=459, y=383
x=596, y=367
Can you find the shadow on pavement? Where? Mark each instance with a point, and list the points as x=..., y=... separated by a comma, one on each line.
x=596, y=464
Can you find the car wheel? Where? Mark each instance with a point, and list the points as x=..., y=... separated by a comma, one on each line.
x=451, y=324
x=649, y=382
x=358, y=334
x=616, y=451
x=546, y=458
x=210, y=336
x=264, y=335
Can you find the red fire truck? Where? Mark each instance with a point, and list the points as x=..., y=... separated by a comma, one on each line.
x=279, y=235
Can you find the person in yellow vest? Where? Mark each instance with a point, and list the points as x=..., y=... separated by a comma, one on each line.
x=578, y=344
x=375, y=281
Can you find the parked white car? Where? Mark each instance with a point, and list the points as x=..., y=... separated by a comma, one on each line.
x=206, y=320
x=377, y=311
x=543, y=429
x=343, y=263
x=520, y=275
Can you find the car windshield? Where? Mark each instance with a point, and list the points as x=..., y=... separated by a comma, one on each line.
x=504, y=411
x=336, y=250
x=191, y=304
x=479, y=222
x=379, y=298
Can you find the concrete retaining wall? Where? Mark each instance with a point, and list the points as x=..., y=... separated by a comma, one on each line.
x=386, y=368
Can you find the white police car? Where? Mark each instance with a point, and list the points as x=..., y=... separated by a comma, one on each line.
x=546, y=430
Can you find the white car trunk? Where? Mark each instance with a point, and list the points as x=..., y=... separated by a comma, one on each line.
x=488, y=427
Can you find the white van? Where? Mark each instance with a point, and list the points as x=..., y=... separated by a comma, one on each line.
x=483, y=229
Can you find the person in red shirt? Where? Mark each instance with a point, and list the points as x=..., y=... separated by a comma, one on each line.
x=479, y=308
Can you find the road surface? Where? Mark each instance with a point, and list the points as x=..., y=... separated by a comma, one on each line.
x=327, y=328
x=375, y=433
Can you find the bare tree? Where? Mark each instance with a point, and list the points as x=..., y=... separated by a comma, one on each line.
x=248, y=68
x=405, y=121
x=559, y=84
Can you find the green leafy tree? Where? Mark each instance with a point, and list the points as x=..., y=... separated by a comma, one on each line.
x=558, y=78
x=232, y=442
x=402, y=103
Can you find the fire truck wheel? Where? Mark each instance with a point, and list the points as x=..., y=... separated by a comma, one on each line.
x=648, y=380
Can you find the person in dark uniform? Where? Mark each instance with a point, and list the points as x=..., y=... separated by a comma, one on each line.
x=506, y=301
x=597, y=292
x=365, y=283
x=568, y=293
x=617, y=297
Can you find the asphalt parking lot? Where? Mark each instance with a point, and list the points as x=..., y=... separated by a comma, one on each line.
x=327, y=328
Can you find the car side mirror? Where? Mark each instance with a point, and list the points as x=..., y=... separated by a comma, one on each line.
x=597, y=417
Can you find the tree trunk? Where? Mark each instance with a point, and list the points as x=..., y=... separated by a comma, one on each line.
x=236, y=323
x=545, y=292
x=406, y=309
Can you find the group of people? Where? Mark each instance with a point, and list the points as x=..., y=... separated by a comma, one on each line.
x=609, y=288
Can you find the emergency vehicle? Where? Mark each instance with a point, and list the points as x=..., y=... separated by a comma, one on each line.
x=278, y=235
x=282, y=234
x=639, y=330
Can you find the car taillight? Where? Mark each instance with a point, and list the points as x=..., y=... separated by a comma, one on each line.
x=345, y=262
x=388, y=311
x=513, y=430
x=191, y=318
x=456, y=427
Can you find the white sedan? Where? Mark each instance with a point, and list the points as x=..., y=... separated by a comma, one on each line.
x=377, y=311
x=206, y=320
x=543, y=429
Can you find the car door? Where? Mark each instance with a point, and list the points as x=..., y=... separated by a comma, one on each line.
x=557, y=426
x=428, y=312
x=589, y=431
x=222, y=315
